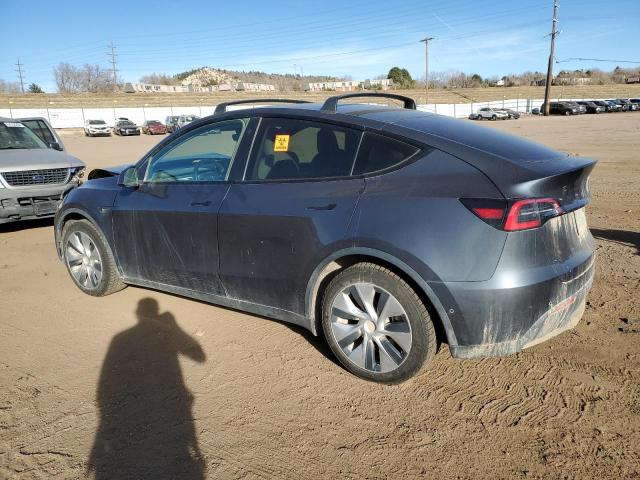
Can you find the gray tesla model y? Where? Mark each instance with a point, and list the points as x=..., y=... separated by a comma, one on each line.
x=386, y=229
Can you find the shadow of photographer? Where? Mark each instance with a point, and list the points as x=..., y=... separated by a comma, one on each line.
x=146, y=425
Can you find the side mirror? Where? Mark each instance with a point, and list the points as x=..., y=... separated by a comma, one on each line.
x=55, y=146
x=129, y=178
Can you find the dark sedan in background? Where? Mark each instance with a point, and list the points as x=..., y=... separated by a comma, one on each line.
x=562, y=108
x=592, y=107
x=126, y=127
x=385, y=229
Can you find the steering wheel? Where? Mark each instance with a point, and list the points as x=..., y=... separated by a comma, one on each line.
x=163, y=175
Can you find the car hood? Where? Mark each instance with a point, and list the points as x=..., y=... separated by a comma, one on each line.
x=36, y=159
x=108, y=171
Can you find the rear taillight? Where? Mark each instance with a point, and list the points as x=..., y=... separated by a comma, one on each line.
x=514, y=215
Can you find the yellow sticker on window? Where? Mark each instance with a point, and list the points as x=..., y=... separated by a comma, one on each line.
x=281, y=143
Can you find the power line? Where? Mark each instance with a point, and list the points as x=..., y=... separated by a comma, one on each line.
x=547, y=87
x=593, y=60
x=20, y=74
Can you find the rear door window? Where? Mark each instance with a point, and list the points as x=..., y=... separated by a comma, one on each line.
x=40, y=129
x=290, y=149
x=378, y=152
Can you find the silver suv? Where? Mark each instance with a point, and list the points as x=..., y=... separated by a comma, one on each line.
x=492, y=114
x=35, y=171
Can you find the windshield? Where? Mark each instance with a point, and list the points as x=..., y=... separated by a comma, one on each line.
x=189, y=119
x=126, y=124
x=96, y=122
x=153, y=123
x=14, y=135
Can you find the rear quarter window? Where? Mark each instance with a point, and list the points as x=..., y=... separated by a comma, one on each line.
x=378, y=152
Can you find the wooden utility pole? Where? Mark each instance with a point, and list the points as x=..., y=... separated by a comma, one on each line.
x=547, y=87
x=426, y=67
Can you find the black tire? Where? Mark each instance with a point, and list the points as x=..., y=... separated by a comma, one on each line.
x=567, y=113
x=494, y=117
x=110, y=281
x=423, y=336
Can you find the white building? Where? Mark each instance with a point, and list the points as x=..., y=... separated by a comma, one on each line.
x=255, y=87
x=349, y=85
x=132, y=87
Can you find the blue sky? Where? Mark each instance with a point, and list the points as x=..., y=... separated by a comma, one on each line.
x=360, y=38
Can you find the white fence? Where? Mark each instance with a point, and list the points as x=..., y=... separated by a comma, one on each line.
x=75, y=117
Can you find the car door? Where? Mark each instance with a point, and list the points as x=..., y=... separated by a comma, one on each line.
x=293, y=208
x=166, y=229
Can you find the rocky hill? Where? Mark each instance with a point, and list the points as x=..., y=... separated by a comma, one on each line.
x=206, y=76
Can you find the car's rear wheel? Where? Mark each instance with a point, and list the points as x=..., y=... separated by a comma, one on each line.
x=376, y=324
x=89, y=260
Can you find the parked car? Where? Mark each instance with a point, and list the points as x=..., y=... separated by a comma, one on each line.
x=171, y=123
x=621, y=106
x=511, y=113
x=126, y=127
x=351, y=219
x=93, y=128
x=635, y=100
x=153, y=127
x=631, y=106
x=592, y=107
x=606, y=105
x=185, y=120
x=492, y=114
x=34, y=174
x=581, y=109
x=561, y=108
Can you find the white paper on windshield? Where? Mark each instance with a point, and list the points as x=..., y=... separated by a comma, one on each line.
x=13, y=125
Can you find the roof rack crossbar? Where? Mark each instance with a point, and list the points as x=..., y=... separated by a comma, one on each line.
x=222, y=107
x=331, y=104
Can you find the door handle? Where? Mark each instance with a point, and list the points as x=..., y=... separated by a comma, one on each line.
x=201, y=204
x=331, y=206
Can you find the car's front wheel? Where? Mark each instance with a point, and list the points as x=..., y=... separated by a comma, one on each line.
x=89, y=260
x=376, y=324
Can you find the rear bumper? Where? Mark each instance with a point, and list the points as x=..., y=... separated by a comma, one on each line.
x=537, y=291
x=31, y=203
x=564, y=314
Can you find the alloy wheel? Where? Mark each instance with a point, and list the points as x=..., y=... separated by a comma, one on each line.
x=84, y=261
x=371, y=327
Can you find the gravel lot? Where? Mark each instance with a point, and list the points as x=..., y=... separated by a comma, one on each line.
x=191, y=390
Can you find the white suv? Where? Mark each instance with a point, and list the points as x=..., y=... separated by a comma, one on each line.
x=96, y=127
x=492, y=114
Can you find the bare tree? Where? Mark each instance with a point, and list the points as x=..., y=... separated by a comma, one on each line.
x=68, y=78
x=9, y=87
x=95, y=79
x=159, y=79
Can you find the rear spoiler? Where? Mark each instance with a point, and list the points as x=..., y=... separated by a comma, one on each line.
x=222, y=107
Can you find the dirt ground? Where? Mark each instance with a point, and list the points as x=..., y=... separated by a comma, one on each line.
x=189, y=390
